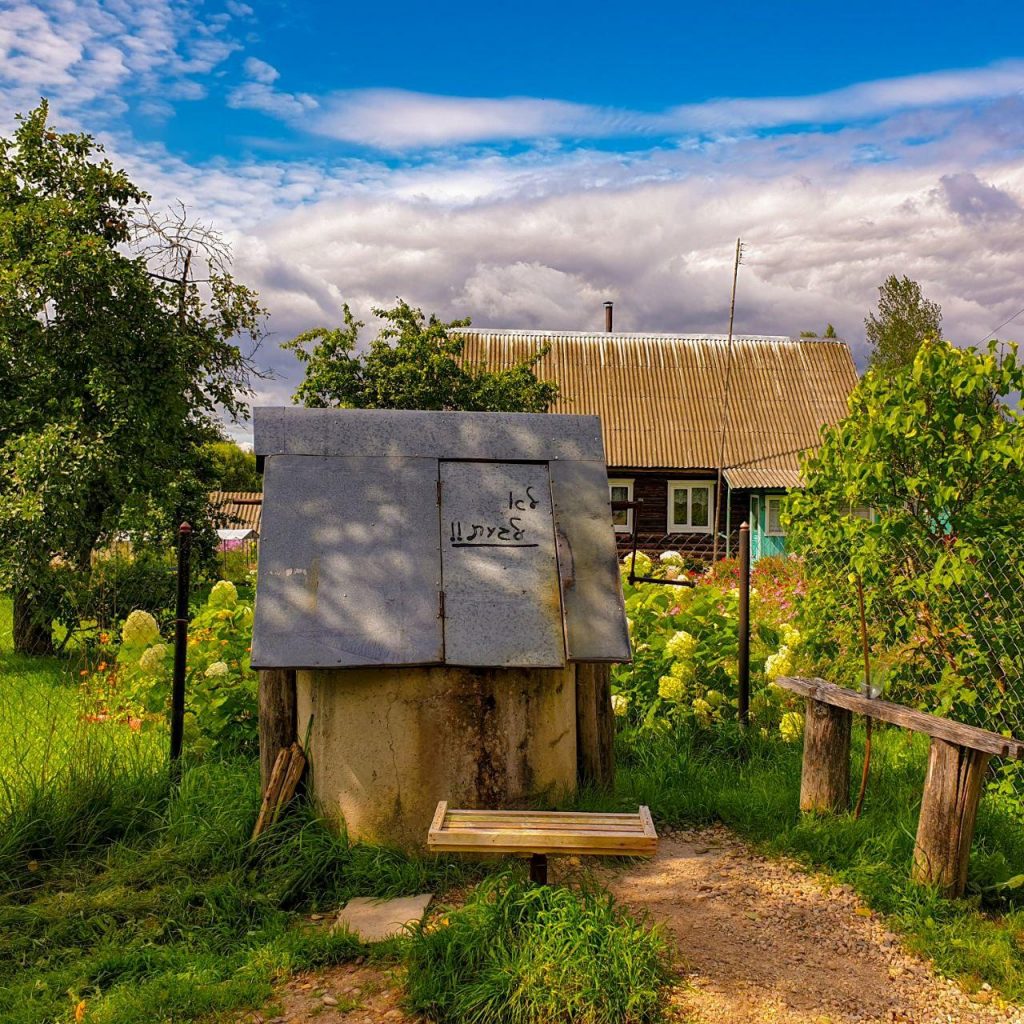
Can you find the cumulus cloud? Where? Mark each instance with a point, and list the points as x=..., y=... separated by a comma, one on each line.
x=972, y=200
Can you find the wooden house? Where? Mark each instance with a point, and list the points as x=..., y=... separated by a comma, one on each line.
x=681, y=417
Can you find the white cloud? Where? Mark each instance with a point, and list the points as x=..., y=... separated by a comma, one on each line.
x=260, y=71
x=395, y=119
x=260, y=96
x=93, y=58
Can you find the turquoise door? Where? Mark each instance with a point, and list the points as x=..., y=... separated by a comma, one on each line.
x=766, y=534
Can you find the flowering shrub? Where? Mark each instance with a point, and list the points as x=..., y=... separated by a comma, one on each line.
x=685, y=646
x=133, y=684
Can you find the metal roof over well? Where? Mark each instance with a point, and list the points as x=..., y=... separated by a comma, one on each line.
x=660, y=396
x=427, y=538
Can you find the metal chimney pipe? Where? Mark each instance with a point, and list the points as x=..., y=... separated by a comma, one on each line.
x=608, y=317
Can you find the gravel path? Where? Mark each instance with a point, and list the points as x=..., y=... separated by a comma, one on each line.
x=763, y=941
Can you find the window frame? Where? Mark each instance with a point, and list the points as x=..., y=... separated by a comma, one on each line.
x=688, y=486
x=768, y=531
x=626, y=482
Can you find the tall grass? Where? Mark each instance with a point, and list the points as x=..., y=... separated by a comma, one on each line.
x=522, y=954
x=149, y=902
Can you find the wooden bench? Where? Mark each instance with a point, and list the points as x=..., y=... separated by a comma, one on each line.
x=957, y=761
x=539, y=833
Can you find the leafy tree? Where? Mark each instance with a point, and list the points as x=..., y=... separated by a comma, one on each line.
x=918, y=492
x=904, y=319
x=234, y=468
x=830, y=332
x=116, y=356
x=414, y=363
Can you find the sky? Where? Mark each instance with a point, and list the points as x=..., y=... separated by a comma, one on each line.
x=520, y=164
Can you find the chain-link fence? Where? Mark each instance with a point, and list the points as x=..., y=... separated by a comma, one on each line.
x=943, y=623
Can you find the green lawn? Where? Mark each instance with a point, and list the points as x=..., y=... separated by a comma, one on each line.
x=150, y=903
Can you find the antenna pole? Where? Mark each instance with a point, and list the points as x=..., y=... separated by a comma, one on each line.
x=725, y=403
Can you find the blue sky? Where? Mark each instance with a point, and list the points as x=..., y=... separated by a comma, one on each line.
x=521, y=163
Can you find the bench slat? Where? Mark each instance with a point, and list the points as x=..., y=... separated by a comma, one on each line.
x=969, y=736
x=542, y=832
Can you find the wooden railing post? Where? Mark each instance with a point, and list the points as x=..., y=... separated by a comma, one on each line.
x=945, y=828
x=825, y=777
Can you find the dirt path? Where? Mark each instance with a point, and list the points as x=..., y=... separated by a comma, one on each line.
x=762, y=941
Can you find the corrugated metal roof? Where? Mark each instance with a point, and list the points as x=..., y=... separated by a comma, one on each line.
x=660, y=396
x=228, y=509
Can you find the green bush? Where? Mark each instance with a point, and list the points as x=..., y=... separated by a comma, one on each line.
x=133, y=684
x=685, y=646
x=516, y=953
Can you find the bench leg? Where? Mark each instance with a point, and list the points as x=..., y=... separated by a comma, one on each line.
x=825, y=777
x=952, y=791
x=539, y=868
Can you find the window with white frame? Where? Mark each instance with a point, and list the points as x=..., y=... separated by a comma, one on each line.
x=773, y=505
x=622, y=490
x=691, y=506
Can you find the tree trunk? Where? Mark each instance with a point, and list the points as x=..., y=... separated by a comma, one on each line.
x=33, y=627
x=825, y=777
x=952, y=791
x=595, y=726
x=276, y=717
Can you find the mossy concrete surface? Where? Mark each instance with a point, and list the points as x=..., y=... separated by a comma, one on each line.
x=387, y=744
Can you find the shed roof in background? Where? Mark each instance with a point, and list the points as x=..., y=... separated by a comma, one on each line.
x=239, y=510
x=660, y=396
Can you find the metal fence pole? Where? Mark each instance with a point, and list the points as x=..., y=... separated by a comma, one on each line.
x=743, y=654
x=180, y=646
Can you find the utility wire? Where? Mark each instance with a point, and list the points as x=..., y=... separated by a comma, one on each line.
x=1000, y=327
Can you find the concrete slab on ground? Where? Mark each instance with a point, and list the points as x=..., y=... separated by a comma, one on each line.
x=376, y=920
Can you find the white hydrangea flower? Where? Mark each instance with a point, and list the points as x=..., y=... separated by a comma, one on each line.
x=681, y=645
x=620, y=704
x=671, y=558
x=779, y=664
x=790, y=636
x=139, y=629
x=152, y=659
x=671, y=688
x=223, y=595
x=217, y=669
x=643, y=563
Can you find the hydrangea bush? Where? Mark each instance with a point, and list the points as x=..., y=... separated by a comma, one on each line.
x=133, y=682
x=685, y=646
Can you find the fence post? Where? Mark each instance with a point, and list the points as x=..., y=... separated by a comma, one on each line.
x=743, y=654
x=180, y=646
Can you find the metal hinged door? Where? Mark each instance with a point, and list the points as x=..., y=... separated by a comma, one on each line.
x=502, y=603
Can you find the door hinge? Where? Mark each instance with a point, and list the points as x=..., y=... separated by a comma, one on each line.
x=439, y=493
x=440, y=604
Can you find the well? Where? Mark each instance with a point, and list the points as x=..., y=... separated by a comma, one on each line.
x=434, y=583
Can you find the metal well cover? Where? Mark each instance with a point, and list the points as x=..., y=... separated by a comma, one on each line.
x=419, y=538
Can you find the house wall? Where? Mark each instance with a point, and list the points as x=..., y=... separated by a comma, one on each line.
x=652, y=533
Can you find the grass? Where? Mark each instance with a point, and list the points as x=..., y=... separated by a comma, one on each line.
x=149, y=903
x=695, y=777
x=522, y=954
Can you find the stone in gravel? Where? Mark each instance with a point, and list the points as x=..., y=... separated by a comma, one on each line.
x=329, y=1001
x=375, y=920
